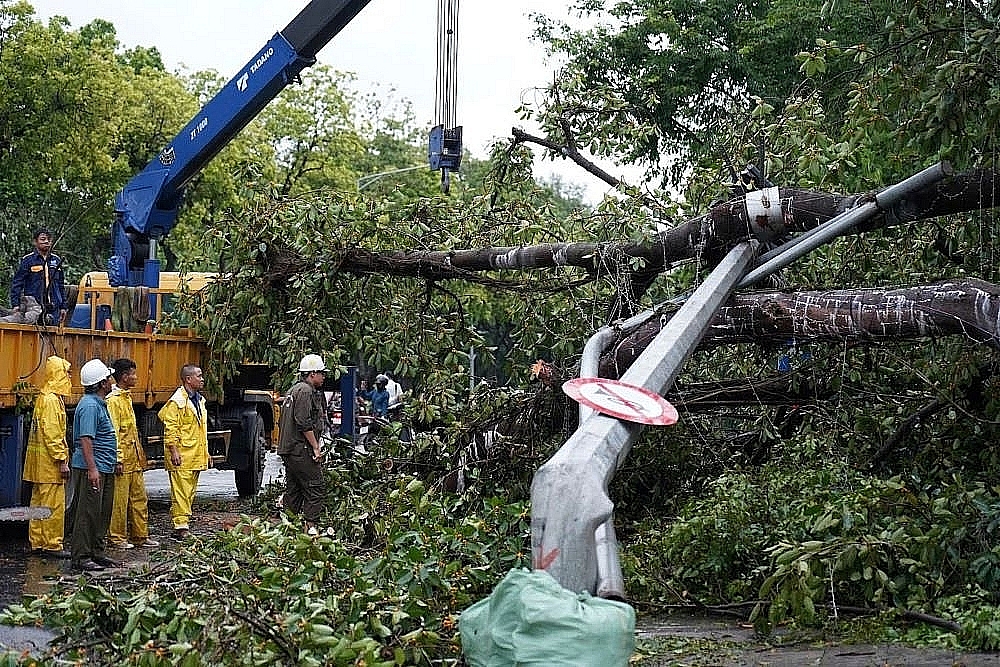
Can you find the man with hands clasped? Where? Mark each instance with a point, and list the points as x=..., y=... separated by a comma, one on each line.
x=301, y=425
x=185, y=446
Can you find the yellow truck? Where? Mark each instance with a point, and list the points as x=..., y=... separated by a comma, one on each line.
x=145, y=212
x=242, y=416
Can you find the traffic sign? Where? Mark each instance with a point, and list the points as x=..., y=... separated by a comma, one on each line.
x=622, y=400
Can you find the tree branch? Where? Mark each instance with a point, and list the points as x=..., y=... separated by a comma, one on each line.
x=707, y=236
x=904, y=429
x=569, y=151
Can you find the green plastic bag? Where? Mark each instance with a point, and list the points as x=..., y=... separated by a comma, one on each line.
x=530, y=620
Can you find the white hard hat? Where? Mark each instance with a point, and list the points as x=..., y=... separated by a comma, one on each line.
x=381, y=377
x=311, y=363
x=93, y=372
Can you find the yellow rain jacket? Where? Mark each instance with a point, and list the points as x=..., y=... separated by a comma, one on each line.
x=47, y=439
x=130, y=452
x=186, y=428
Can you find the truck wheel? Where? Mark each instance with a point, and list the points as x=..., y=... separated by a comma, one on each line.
x=249, y=480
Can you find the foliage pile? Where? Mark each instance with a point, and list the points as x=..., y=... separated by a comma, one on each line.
x=383, y=586
x=809, y=545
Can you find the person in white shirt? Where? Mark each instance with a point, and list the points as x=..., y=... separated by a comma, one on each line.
x=395, y=393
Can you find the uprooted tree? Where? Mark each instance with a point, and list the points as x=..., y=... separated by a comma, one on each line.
x=805, y=404
x=894, y=378
x=836, y=447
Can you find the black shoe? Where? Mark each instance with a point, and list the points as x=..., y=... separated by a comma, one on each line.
x=106, y=562
x=181, y=534
x=87, y=566
x=58, y=554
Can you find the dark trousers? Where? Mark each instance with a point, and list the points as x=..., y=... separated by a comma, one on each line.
x=305, y=487
x=70, y=508
x=92, y=515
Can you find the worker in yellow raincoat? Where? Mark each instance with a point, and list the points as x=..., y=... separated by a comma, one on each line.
x=46, y=461
x=185, y=445
x=130, y=514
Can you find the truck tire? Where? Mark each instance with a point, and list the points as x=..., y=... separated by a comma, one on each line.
x=250, y=479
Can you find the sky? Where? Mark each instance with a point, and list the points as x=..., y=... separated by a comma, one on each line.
x=391, y=44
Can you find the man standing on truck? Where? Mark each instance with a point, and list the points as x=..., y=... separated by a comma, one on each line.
x=46, y=461
x=130, y=516
x=301, y=425
x=94, y=459
x=40, y=274
x=185, y=446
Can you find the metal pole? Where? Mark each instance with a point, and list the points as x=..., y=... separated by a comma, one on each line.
x=808, y=241
x=591, y=357
x=610, y=583
x=569, y=492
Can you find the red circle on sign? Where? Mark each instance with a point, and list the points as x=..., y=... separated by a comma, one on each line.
x=622, y=400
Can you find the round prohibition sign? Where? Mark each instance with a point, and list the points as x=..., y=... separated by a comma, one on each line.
x=622, y=400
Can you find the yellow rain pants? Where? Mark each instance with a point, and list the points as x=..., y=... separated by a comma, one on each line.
x=48, y=533
x=130, y=515
x=182, y=487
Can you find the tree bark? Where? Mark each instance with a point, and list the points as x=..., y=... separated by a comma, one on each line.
x=967, y=307
x=792, y=388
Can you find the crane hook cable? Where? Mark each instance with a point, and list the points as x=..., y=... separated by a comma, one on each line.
x=446, y=81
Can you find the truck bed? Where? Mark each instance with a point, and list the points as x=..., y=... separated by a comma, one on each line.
x=24, y=348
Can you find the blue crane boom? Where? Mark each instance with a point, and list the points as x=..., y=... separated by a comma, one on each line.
x=146, y=208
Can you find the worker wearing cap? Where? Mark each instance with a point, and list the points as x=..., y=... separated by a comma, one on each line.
x=185, y=446
x=130, y=517
x=40, y=274
x=379, y=396
x=301, y=425
x=93, y=469
x=46, y=460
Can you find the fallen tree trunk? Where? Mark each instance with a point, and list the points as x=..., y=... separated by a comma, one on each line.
x=966, y=307
x=710, y=235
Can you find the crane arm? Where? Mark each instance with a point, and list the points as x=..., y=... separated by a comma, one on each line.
x=146, y=208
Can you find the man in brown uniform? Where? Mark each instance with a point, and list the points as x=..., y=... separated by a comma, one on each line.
x=303, y=419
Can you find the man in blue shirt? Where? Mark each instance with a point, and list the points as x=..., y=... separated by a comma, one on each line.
x=379, y=396
x=40, y=274
x=93, y=469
